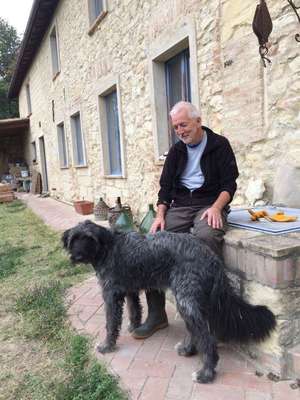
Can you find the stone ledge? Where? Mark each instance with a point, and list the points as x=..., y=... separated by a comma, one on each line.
x=276, y=273
x=261, y=243
x=273, y=246
x=235, y=236
x=272, y=261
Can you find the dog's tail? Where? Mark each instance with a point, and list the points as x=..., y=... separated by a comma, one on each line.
x=233, y=319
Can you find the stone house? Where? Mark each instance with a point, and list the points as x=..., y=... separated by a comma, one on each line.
x=96, y=78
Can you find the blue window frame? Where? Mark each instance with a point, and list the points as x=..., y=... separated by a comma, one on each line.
x=178, y=84
x=62, y=147
x=113, y=134
x=96, y=7
x=54, y=52
x=78, y=145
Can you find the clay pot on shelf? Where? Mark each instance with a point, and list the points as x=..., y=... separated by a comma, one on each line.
x=84, y=207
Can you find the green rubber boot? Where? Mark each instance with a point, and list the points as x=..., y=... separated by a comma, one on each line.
x=157, y=317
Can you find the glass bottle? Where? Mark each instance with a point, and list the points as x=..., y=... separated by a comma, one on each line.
x=124, y=223
x=147, y=220
x=114, y=212
x=118, y=206
x=126, y=209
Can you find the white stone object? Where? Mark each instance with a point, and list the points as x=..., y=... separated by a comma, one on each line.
x=255, y=190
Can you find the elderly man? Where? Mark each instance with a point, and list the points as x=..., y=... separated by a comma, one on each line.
x=197, y=184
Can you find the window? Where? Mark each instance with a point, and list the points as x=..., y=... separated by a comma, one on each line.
x=178, y=84
x=113, y=134
x=54, y=52
x=173, y=77
x=77, y=140
x=111, y=127
x=28, y=98
x=33, y=151
x=62, y=147
x=97, y=10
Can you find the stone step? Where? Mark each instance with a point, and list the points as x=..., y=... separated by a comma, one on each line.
x=294, y=361
x=273, y=261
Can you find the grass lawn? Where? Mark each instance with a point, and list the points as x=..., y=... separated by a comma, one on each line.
x=41, y=357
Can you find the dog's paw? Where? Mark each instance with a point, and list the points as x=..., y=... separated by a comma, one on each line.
x=204, y=376
x=104, y=348
x=185, y=350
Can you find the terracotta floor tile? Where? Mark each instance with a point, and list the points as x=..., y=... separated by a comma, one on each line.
x=153, y=369
x=154, y=388
x=254, y=395
x=216, y=392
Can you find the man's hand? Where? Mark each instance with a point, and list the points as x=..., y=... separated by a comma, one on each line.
x=214, y=217
x=158, y=223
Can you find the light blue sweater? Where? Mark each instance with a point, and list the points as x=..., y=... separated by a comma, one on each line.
x=192, y=176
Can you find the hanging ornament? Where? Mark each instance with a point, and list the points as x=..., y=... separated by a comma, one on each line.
x=262, y=27
x=295, y=8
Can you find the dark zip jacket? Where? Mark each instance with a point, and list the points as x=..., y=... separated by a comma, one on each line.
x=218, y=166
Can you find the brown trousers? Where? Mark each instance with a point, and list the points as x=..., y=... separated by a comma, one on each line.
x=187, y=219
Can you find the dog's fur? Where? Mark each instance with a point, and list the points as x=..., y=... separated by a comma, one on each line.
x=126, y=263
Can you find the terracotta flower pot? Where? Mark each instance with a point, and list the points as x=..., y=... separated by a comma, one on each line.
x=84, y=207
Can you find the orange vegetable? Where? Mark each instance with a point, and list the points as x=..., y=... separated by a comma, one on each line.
x=279, y=216
x=255, y=215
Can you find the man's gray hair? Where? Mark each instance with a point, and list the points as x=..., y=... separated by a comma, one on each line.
x=192, y=110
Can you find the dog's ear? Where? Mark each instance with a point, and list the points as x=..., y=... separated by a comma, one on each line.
x=65, y=238
x=104, y=236
x=99, y=233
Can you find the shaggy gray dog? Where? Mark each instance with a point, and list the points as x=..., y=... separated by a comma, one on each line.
x=126, y=263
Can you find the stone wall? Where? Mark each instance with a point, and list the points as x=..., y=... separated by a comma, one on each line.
x=267, y=271
x=256, y=108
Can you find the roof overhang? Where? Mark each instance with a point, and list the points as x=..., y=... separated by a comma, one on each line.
x=39, y=20
x=14, y=126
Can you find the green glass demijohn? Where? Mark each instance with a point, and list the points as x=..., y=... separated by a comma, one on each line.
x=148, y=220
x=124, y=223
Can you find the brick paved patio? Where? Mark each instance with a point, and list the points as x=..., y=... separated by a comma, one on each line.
x=150, y=369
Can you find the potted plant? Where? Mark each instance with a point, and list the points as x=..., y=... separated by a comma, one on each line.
x=84, y=207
